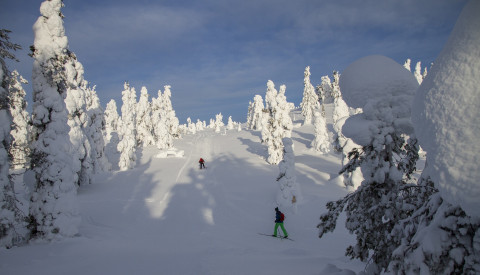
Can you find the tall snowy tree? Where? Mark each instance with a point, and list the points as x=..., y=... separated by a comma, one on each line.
x=289, y=193
x=20, y=147
x=53, y=208
x=12, y=224
x=310, y=99
x=272, y=130
x=127, y=131
x=144, y=120
x=230, y=124
x=321, y=143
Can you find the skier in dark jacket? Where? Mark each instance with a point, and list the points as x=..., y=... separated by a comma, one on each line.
x=279, y=217
x=202, y=163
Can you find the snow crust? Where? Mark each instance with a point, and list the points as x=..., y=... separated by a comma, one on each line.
x=446, y=117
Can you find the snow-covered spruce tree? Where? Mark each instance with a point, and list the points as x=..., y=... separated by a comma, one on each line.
x=20, y=147
x=257, y=111
x=144, y=120
x=407, y=64
x=127, y=130
x=199, y=125
x=218, y=122
x=340, y=111
x=95, y=131
x=272, y=131
x=76, y=104
x=384, y=89
x=230, y=124
x=324, y=91
x=171, y=119
x=53, y=204
x=310, y=99
x=321, y=143
x=163, y=139
x=112, y=121
x=450, y=219
x=12, y=220
x=282, y=113
x=289, y=193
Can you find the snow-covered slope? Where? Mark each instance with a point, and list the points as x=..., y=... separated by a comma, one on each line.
x=166, y=216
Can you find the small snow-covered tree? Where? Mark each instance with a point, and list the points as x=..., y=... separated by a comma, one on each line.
x=20, y=147
x=144, y=120
x=289, y=193
x=321, y=143
x=418, y=72
x=171, y=119
x=310, y=99
x=127, y=131
x=407, y=65
x=272, y=131
x=53, y=207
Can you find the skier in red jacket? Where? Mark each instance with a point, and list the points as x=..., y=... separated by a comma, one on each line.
x=202, y=163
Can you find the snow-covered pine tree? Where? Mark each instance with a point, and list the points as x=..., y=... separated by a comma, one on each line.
x=321, y=142
x=272, y=131
x=78, y=119
x=250, y=113
x=310, y=99
x=20, y=147
x=144, y=120
x=257, y=111
x=95, y=131
x=171, y=119
x=418, y=72
x=127, y=131
x=12, y=224
x=163, y=138
x=282, y=113
x=289, y=193
x=199, y=125
x=340, y=111
x=230, y=124
x=407, y=65
x=112, y=121
x=53, y=204
x=218, y=122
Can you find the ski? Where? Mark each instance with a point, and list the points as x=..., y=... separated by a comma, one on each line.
x=278, y=237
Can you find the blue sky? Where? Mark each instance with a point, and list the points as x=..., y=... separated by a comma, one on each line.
x=217, y=55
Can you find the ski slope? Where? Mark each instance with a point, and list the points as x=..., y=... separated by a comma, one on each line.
x=166, y=216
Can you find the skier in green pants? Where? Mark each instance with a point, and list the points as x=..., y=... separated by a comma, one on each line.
x=279, y=217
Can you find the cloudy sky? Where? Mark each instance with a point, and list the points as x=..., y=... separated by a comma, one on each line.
x=217, y=54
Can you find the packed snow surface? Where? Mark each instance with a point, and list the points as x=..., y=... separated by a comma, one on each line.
x=446, y=117
x=165, y=216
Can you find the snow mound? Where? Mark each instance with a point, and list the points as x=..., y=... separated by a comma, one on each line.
x=445, y=114
x=170, y=153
